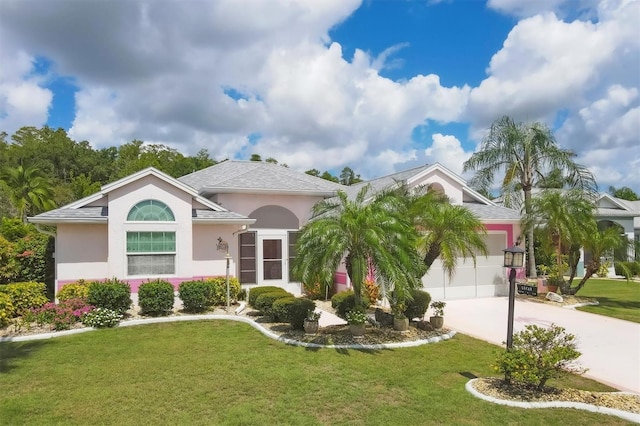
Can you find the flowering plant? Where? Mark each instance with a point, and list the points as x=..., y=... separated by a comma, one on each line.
x=356, y=317
x=438, y=308
x=101, y=318
x=313, y=315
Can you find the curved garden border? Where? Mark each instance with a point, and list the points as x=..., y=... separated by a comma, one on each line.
x=632, y=417
x=245, y=320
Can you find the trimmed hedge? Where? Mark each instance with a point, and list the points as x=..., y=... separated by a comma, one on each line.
x=257, y=291
x=156, y=297
x=112, y=294
x=345, y=301
x=417, y=307
x=194, y=295
x=264, y=302
x=77, y=290
x=281, y=308
x=25, y=296
x=298, y=311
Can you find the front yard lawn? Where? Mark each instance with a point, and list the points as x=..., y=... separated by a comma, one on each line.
x=218, y=372
x=618, y=298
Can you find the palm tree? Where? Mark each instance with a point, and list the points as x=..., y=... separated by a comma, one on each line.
x=560, y=217
x=29, y=190
x=596, y=242
x=524, y=152
x=446, y=231
x=364, y=230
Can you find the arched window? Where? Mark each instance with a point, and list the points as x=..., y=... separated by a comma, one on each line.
x=151, y=210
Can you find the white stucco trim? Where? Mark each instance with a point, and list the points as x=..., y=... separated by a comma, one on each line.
x=216, y=190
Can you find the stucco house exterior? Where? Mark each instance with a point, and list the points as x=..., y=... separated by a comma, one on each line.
x=149, y=225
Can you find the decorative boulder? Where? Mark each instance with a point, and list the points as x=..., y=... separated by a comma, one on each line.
x=554, y=297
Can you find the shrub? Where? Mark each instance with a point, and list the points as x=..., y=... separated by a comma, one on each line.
x=111, y=294
x=242, y=294
x=218, y=290
x=156, y=297
x=603, y=270
x=6, y=309
x=61, y=316
x=194, y=295
x=537, y=355
x=264, y=302
x=417, y=307
x=298, y=311
x=281, y=308
x=77, y=290
x=317, y=291
x=345, y=301
x=25, y=296
x=101, y=318
x=257, y=291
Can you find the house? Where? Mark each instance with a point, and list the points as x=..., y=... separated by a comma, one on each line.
x=150, y=225
x=623, y=214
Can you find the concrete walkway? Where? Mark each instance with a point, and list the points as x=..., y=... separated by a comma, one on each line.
x=610, y=347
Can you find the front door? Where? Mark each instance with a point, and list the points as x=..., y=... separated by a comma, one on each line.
x=272, y=255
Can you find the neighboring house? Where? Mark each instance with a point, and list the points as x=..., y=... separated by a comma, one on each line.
x=150, y=225
x=612, y=211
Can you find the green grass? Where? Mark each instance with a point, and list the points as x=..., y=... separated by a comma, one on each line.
x=216, y=372
x=618, y=298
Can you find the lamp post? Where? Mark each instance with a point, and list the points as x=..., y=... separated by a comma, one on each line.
x=513, y=258
x=223, y=247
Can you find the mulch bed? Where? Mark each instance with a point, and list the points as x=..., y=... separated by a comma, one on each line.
x=498, y=389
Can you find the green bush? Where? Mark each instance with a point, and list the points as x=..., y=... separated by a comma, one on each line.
x=77, y=290
x=156, y=297
x=6, y=309
x=25, y=296
x=111, y=294
x=345, y=301
x=281, y=308
x=242, y=294
x=298, y=310
x=257, y=291
x=417, y=307
x=194, y=295
x=264, y=302
x=537, y=355
x=218, y=290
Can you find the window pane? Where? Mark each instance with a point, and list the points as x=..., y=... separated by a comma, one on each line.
x=151, y=210
x=247, y=257
x=151, y=242
x=273, y=269
x=272, y=249
x=151, y=264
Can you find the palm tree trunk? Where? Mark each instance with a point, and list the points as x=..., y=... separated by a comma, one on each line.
x=432, y=255
x=531, y=258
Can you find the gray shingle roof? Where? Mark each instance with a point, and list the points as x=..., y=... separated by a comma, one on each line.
x=210, y=214
x=82, y=214
x=485, y=212
x=384, y=182
x=256, y=176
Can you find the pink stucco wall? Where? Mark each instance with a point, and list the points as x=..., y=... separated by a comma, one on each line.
x=509, y=229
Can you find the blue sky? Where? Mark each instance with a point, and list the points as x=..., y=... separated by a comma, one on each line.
x=378, y=85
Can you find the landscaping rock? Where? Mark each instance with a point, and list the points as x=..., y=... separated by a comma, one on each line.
x=554, y=297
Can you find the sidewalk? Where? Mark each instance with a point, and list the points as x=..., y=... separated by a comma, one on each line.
x=610, y=347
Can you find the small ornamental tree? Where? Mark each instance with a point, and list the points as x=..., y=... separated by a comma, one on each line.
x=539, y=354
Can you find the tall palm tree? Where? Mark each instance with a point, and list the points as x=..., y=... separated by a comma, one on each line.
x=364, y=230
x=560, y=217
x=29, y=190
x=524, y=152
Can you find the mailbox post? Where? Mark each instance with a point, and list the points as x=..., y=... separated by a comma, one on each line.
x=513, y=259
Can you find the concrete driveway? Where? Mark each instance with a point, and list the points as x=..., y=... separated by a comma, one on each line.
x=610, y=347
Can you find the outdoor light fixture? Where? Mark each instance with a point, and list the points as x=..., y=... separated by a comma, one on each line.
x=223, y=247
x=513, y=258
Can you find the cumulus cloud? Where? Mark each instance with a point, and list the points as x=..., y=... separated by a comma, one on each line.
x=448, y=151
x=23, y=102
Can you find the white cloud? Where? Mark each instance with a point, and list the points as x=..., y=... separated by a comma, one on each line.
x=23, y=102
x=448, y=151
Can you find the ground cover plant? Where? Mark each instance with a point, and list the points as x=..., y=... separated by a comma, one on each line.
x=215, y=372
x=617, y=298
